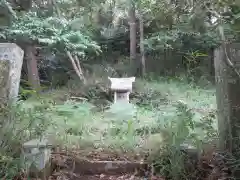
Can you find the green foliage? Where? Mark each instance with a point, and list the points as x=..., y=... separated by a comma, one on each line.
x=95, y=91
x=171, y=27
x=53, y=32
x=74, y=123
x=170, y=159
x=148, y=97
x=25, y=90
x=19, y=124
x=122, y=111
x=69, y=108
x=163, y=40
x=181, y=40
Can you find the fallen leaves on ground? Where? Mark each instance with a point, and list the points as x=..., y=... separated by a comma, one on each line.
x=211, y=165
x=67, y=176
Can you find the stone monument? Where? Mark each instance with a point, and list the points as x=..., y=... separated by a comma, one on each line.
x=36, y=157
x=122, y=87
x=11, y=60
x=121, y=108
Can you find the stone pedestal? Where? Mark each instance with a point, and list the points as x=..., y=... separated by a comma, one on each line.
x=121, y=96
x=11, y=59
x=36, y=157
x=122, y=87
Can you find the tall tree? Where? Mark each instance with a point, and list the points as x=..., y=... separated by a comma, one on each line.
x=47, y=23
x=227, y=77
x=228, y=96
x=142, y=49
x=133, y=31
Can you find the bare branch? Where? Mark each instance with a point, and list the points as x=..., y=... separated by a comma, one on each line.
x=74, y=65
x=80, y=69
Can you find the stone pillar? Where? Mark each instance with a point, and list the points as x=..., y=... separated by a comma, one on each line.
x=11, y=59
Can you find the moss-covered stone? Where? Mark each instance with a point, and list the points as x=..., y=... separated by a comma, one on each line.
x=4, y=80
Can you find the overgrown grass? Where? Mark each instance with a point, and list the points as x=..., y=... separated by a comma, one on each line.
x=17, y=126
x=76, y=123
x=165, y=114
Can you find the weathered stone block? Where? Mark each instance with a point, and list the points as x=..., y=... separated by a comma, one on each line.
x=36, y=156
x=4, y=81
x=121, y=84
x=11, y=59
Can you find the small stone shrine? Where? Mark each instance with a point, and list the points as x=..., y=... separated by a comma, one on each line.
x=122, y=87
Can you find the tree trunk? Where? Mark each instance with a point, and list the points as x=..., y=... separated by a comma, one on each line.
x=33, y=76
x=228, y=98
x=210, y=64
x=133, y=30
x=141, y=28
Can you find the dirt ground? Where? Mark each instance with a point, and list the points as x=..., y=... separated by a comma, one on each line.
x=72, y=166
x=78, y=165
x=66, y=176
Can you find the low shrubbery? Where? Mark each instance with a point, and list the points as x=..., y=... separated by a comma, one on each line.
x=18, y=125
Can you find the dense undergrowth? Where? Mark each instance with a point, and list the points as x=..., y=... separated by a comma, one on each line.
x=17, y=126
x=167, y=114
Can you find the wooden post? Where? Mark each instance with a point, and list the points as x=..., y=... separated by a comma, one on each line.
x=228, y=97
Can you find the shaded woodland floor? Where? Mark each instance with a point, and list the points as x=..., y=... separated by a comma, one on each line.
x=168, y=113
x=76, y=122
